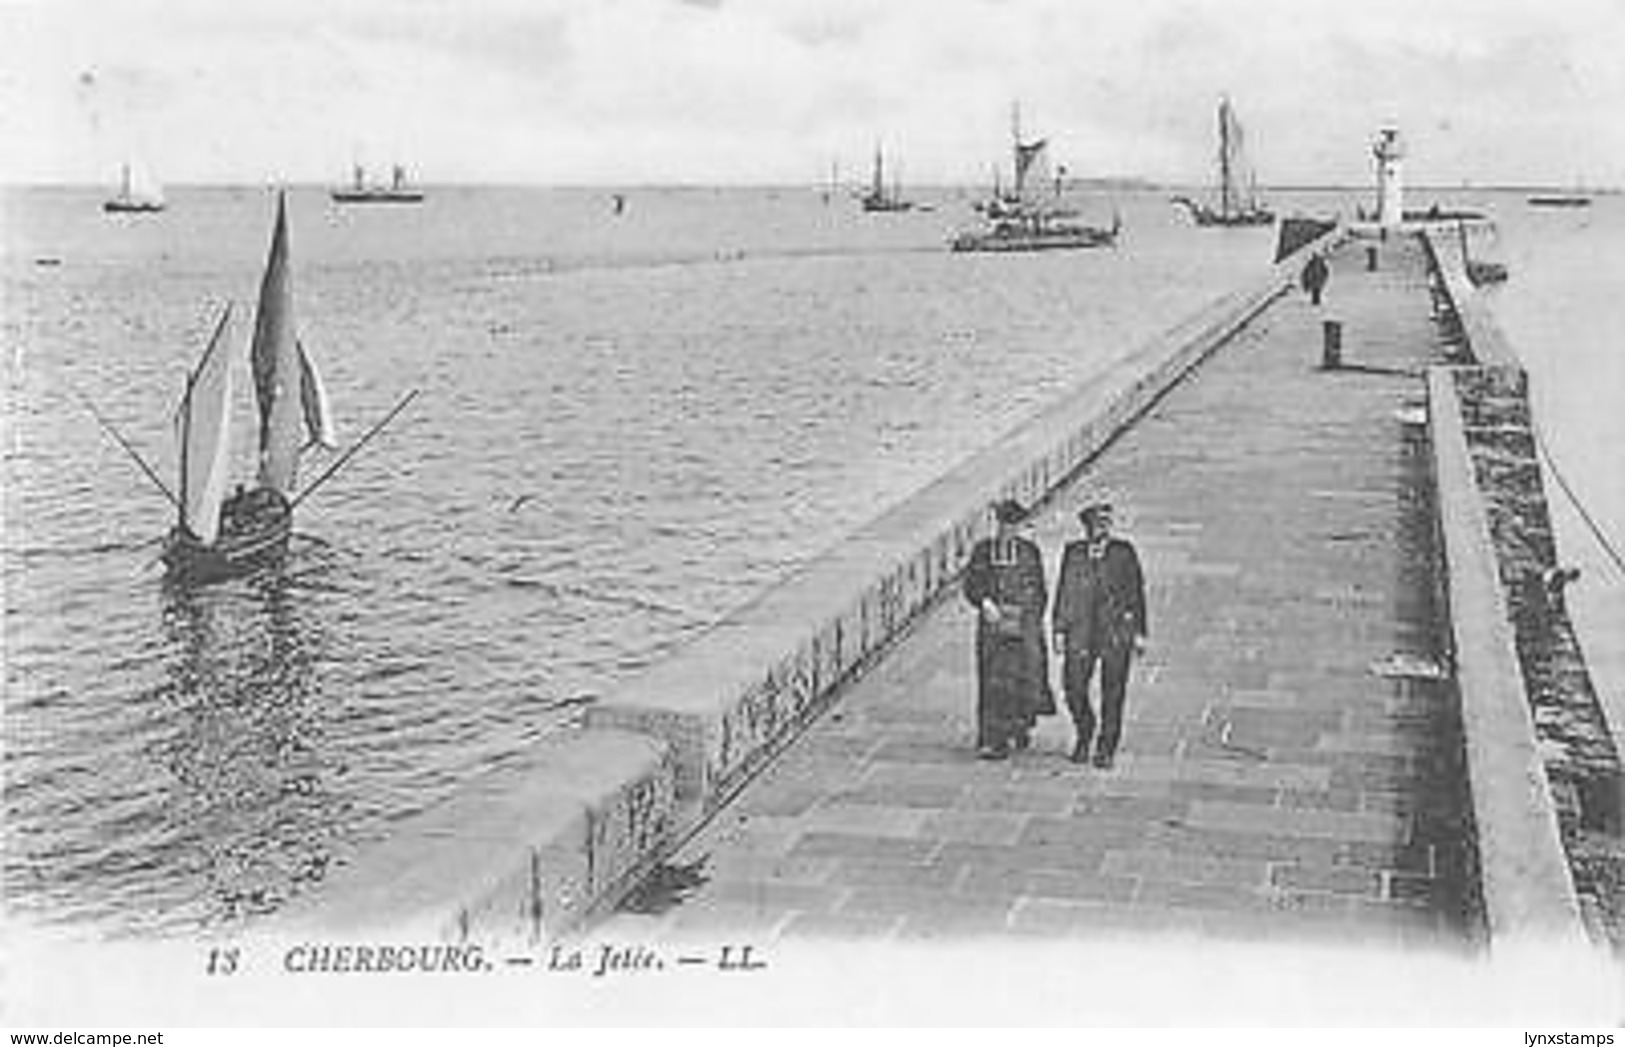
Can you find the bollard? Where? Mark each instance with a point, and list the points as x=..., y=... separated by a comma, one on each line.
x=1370, y=259
x=1331, y=350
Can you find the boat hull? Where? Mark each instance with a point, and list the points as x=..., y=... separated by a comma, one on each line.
x=1245, y=218
x=254, y=535
x=377, y=196
x=1066, y=239
x=131, y=207
x=1207, y=217
x=1443, y=214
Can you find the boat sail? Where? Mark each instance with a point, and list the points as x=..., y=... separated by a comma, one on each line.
x=1032, y=171
x=878, y=198
x=1238, y=199
x=219, y=537
x=132, y=198
x=1029, y=216
x=278, y=375
x=203, y=430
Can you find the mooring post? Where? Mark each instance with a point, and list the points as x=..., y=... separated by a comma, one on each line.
x=1331, y=349
x=1371, y=258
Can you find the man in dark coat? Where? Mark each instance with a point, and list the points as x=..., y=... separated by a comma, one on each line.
x=1004, y=581
x=1314, y=277
x=1099, y=617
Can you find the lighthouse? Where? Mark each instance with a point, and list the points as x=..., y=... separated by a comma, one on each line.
x=1388, y=151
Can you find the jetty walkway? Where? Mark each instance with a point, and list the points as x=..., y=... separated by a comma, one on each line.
x=1292, y=757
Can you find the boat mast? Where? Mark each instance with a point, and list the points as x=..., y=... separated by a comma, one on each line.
x=1224, y=155
x=1015, y=140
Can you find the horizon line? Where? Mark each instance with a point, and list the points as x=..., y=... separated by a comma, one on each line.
x=1136, y=183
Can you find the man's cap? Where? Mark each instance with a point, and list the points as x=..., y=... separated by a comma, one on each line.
x=1090, y=510
x=1009, y=511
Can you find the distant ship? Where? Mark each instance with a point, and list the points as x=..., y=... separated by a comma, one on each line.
x=1560, y=200
x=360, y=192
x=877, y=199
x=1436, y=213
x=1029, y=217
x=1238, y=203
x=132, y=200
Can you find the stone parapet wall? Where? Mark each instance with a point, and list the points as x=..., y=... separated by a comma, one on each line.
x=522, y=854
x=1523, y=874
x=1557, y=752
x=1466, y=319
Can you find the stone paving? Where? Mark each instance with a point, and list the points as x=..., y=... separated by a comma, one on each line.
x=1290, y=768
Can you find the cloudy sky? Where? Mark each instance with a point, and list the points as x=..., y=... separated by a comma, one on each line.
x=577, y=91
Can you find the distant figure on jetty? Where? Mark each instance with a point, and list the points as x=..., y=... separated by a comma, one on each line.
x=1099, y=616
x=1004, y=581
x=1315, y=275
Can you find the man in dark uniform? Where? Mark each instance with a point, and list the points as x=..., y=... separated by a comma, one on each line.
x=1314, y=277
x=1099, y=617
x=1004, y=581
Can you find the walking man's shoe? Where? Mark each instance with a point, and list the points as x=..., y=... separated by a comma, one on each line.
x=1103, y=761
x=1080, y=752
x=990, y=752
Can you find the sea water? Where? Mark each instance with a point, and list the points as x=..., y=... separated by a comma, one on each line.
x=630, y=423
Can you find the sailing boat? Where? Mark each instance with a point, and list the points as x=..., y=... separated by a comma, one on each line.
x=131, y=200
x=359, y=191
x=1479, y=272
x=216, y=536
x=877, y=199
x=1239, y=203
x=1028, y=217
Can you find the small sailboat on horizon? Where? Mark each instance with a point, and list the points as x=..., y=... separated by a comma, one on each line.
x=360, y=191
x=880, y=200
x=132, y=198
x=1480, y=272
x=1239, y=203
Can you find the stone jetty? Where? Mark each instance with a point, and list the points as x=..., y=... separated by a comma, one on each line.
x=1334, y=739
x=1293, y=758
